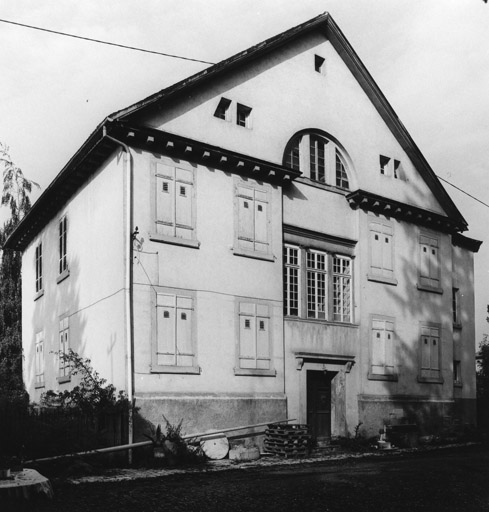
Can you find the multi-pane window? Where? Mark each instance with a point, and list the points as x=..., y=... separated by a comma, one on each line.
x=252, y=223
x=39, y=366
x=38, y=260
x=341, y=176
x=291, y=280
x=63, y=230
x=64, y=347
x=429, y=262
x=174, y=189
x=381, y=251
x=382, y=347
x=430, y=352
x=317, y=285
x=254, y=336
x=318, y=158
x=341, y=289
x=174, y=341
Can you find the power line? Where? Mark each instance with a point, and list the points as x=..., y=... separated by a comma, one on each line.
x=104, y=42
x=463, y=191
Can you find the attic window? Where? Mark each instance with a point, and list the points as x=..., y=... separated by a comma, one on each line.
x=390, y=167
x=222, y=110
x=319, y=64
x=243, y=116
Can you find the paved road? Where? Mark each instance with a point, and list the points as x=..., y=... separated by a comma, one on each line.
x=448, y=480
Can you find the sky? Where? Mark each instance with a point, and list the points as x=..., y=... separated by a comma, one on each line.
x=429, y=57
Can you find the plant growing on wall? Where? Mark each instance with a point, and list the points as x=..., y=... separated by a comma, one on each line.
x=92, y=394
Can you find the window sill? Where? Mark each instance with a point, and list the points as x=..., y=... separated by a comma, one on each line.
x=63, y=380
x=383, y=377
x=62, y=276
x=188, y=370
x=39, y=385
x=430, y=380
x=38, y=295
x=427, y=288
x=248, y=372
x=173, y=240
x=382, y=279
x=253, y=254
x=320, y=321
x=324, y=186
x=457, y=326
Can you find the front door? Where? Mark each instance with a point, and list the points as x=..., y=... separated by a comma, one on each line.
x=319, y=405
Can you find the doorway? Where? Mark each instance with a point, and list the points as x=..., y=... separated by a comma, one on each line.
x=319, y=405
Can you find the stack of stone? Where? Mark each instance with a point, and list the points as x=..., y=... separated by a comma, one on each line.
x=287, y=440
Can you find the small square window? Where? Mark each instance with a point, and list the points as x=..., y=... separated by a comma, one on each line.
x=183, y=316
x=245, y=204
x=262, y=325
x=165, y=186
x=222, y=110
x=243, y=116
x=260, y=208
x=247, y=324
x=166, y=314
x=319, y=64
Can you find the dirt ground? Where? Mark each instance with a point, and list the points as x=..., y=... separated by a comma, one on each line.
x=446, y=480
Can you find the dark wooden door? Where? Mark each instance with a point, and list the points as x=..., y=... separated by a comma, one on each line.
x=319, y=405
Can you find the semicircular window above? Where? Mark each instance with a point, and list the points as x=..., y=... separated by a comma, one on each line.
x=318, y=158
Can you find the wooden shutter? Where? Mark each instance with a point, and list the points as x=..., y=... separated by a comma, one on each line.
x=261, y=221
x=185, y=355
x=165, y=199
x=262, y=337
x=166, y=340
x=183, y=203
x=246, y=218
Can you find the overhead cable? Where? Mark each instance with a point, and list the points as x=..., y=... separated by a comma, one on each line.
x=104, y=42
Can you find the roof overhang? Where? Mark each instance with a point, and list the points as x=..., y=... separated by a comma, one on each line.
x=471, y=244
x=99, y=147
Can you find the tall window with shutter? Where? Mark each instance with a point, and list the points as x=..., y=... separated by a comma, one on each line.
x=174, y=215
x=382, y=349
x=252, y=230
x=430, y=353
x=64, y=347
x=62, y=241
x=38, y=261
x=174, y=349
x=254, y=339
x=381, y=252
x=39, y=360
x=429, y=262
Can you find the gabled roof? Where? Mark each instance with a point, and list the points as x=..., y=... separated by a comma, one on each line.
x=325, y=24
x=98, y=147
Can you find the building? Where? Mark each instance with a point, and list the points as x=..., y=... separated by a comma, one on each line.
x=259, y=241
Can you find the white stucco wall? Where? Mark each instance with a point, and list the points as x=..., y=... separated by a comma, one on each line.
x=92, y=295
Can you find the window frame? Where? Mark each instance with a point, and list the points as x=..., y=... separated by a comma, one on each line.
x=39, y=277
x=244, y=116
x=384, y=229
x=457, y=373
x=386, y=375
x=304, y=272
x=457, y=323
x=432, y=281
x=259, y=233
x=40, y=361
x=254, y=310
x=63, y=267
x=64, y=373
x=175, y=294
x=305, y=152
x=431, y=374
x=223, y=109
x=320, y=64
x=165, y=172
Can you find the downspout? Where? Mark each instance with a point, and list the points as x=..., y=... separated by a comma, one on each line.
x=128, y=286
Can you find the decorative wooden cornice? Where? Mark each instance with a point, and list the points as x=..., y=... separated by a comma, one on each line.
x=323, y=237
x=471, y=244
x=402, y=211
x=172, y=145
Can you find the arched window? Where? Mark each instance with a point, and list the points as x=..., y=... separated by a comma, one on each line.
x=318, y=158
